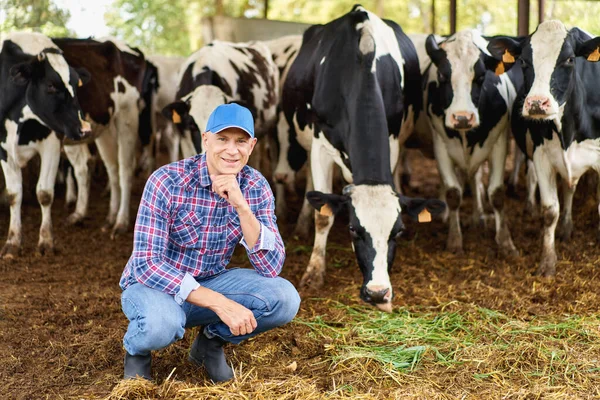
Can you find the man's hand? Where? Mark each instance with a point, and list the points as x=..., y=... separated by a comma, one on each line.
x=238, y=318
x=227, y=187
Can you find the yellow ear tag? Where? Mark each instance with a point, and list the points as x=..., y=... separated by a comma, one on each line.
x=507, y=57
x=326, y=210
x=595, y=56
x=500, y=68
x=176, y=117
x=425, y=216
x=79, y=84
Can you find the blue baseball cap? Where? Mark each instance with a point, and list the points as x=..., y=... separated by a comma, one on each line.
x=230, y=116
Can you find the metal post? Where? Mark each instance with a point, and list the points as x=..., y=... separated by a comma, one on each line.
x=452, y=17
x=523, y=17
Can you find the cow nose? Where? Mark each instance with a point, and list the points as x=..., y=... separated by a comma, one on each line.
x=537, y=105
x=463, y=120
x=378, y=294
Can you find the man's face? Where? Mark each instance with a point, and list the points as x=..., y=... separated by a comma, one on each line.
x=227, y=151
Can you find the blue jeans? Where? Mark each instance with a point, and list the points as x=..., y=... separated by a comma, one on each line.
x=156, y=320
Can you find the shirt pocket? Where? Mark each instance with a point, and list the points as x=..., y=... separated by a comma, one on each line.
x=187, y=228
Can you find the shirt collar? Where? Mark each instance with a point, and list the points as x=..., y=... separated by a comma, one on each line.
x=200, y=175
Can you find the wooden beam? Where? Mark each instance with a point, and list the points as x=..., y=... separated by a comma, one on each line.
x=452, y=17
x=266, y=11
x=219, y=7
x=433, y=16
x=523, y=17
x=541, y=11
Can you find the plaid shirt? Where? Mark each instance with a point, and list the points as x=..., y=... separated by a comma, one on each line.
x=184, y=231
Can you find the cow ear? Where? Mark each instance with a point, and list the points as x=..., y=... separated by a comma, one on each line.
x=506, y=48
x=590, y=49
x=421, y=209
x=496, y=66
x=176, y=111
x=84, y=76
x=327, y=203
x=21, y=73
x=433, y=50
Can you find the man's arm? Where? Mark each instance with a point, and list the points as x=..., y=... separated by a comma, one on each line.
x=150, y=240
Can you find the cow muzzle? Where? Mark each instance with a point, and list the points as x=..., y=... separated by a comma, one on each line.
x=85, y=130
x=379, y=296
x=537, y=106
x=463, y=120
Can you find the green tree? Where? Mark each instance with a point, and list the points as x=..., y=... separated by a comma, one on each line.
x=33, y=15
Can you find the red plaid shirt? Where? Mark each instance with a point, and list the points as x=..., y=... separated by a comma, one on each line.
x=185, y=231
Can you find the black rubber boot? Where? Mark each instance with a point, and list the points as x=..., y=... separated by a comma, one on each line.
x=137, y=366
x=209, y=352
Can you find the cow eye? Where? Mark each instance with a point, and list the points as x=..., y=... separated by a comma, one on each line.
x=570, y=61
x=524, y=64
x=353, y=231
x=399, y=234
x=51, y=88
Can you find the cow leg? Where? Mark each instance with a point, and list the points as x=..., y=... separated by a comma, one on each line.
x=496, y=195
x=127, y=134
x=322, y=169
x=304, y=219
x=187, y=146
x=565, y=229
x=171, y=139
x=14, y=188
x=107, y=148
x=550, y=209
x=477, y=219
x=513, y=180
x=532, y=184
x=79, y=156
x=50, y=157
x=71, y=189
x=452, y=195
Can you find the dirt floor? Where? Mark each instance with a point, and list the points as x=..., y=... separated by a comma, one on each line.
x=61, y=324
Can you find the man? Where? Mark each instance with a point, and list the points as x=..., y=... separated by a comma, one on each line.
x=192, y=215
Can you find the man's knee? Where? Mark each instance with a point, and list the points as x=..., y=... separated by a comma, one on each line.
x=286, y=301
x=155, y=331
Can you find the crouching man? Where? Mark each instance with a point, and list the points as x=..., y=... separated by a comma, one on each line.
x=192, y=215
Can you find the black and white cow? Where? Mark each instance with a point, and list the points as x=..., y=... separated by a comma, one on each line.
x=354, y=88
x=244, y=72
x=38, y=105
x=114, y=102
x=468, y=99
x=556, y=121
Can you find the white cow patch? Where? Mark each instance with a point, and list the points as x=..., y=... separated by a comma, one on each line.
x=546, y=43
x=59, y=64
x=203, y=100
x=334, y=153
x=121, y=45
x=377, y=209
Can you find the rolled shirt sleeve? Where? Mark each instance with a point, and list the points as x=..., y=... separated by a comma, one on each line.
x=268, y=254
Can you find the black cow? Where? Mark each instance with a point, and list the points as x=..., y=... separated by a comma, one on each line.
x=38, y=105
x=556, y=117
x=355, y=88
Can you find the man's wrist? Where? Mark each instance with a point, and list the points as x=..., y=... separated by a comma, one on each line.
x=243, y=209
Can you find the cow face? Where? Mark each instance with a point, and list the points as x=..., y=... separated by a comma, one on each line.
x=190, y=114
x=51, y=92
x=548, y=59
x=461, y=71
x=375, y=223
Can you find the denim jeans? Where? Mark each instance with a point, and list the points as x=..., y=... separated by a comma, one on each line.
x=156, y=320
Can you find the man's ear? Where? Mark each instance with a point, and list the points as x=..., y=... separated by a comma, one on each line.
x=421, y=209
x=327, y=203
x=84, y=76
x=22, y=73
x=176, y=111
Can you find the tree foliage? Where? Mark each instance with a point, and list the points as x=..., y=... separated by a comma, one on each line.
x=34, y=15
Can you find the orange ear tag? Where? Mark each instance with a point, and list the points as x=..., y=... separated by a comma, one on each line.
x=176, y=117
x=507, y=57
x=79, y=84
x=500, y=68
x=425, y=216
x=595, y=56
x=326, y=210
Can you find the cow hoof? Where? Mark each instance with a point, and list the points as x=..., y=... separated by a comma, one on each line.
x=107, y=227
x=45, y=249
x=547, y=267
x=565, y=233
x=478, y=222
x=9, y=251
x=75, y=219
x=119, y=229
x=455, y=246
x=312, y=280
x=509, y=252
x=69, y=204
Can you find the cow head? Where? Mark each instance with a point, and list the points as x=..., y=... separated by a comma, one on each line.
x=190, y=114
x=51, y=92
x=375, y=223
x=462, y=68
x=547, y=58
